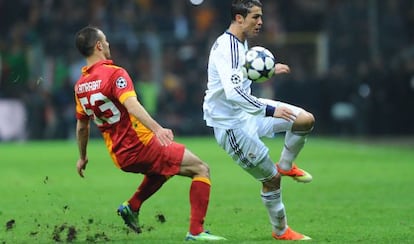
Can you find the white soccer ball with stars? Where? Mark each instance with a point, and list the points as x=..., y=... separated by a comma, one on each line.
x=259, y=65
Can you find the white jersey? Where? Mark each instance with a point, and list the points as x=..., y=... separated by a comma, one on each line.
x=228, y=102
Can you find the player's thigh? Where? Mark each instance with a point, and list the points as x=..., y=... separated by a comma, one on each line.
x=268, y=126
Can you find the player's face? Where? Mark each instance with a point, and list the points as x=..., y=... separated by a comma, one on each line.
x=253, y=22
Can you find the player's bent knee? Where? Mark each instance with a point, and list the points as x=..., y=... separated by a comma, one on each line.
x=304, y=123
x=310, y=121
x=202, y=169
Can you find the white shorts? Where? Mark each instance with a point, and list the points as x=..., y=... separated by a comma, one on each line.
x=245, y=146
x=268, y=126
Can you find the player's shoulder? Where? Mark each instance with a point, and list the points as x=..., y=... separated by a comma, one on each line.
x=113, y=70
x=224, y=43
x=229, y=41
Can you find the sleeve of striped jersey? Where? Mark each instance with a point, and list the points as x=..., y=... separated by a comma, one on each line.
x=229, y=66
x=123, y=86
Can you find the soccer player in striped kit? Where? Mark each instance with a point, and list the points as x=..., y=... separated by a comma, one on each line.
x=239, y=119
x=136, y=142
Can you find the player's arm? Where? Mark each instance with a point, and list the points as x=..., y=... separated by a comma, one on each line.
x=82, y=137
x=135, y=108
x=125, y=92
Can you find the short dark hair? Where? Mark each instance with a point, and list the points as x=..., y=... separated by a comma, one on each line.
x=86, y=39
x=243, y=7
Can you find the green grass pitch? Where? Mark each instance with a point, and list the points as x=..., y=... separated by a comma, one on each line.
x=361, y=193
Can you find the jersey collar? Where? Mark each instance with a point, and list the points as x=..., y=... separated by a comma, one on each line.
x=87, y=69
x=231, y=34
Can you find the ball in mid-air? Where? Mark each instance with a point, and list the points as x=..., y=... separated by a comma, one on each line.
x=259, y=65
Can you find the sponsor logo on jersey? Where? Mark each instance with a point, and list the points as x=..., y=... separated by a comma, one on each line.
x=89, y=86
x=252, y=156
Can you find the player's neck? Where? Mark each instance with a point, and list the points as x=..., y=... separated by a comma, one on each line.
x=94, y=59
x=237, y=32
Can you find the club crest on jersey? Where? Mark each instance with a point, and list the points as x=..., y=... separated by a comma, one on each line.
x=121, y=82
x=235, y=79
x=252, y=156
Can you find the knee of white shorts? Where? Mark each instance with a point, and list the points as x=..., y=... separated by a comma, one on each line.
x=264, y=170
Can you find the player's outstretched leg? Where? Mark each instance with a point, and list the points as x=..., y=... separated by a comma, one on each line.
x=149, y=185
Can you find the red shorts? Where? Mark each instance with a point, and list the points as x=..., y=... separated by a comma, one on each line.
x=158, y=159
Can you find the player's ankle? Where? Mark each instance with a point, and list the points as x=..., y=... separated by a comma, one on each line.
x=285, y=166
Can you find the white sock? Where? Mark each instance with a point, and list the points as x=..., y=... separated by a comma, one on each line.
x=293, y=144
x=276, y=210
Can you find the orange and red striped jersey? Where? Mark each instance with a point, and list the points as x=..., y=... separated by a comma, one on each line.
x=99, y=94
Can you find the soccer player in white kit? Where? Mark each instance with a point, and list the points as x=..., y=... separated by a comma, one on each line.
x=240, y=119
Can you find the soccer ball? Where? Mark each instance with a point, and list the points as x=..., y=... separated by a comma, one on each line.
x=259, y=65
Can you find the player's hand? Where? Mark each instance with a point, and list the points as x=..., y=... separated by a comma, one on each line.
x=284, y=113
x=281, y=68
x=165, y=136
x=81, y=166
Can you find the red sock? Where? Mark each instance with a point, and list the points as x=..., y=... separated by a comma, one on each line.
x=199, y=198
x=149, y=185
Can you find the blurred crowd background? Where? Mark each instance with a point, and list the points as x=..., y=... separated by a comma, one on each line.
x=352, y=61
